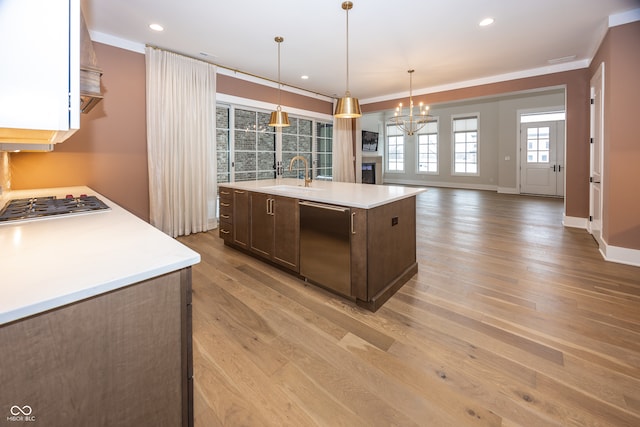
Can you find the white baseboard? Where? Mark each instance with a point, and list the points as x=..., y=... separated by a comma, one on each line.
x=575, y=222
x=609, y=253
x=388, y=180
x=508, y=190
x=621, y=255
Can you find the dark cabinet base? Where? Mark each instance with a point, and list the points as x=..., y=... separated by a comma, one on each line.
x=383, y=252
x=120, y=358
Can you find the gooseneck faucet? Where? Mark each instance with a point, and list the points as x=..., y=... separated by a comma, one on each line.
x=307, y=180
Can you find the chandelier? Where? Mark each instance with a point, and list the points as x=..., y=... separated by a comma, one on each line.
x=410, y=123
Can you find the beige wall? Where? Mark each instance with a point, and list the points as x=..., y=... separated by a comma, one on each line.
x=109, y=152
x=499, y=129
x=576, y=83
x=620, y=53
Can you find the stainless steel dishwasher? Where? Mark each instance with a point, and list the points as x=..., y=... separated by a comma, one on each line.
x=325, y=245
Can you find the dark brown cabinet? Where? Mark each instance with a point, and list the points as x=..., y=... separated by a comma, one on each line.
x=359, y=253
x=241, y=218
x=225, y=227
x=382, y=241
x=274, y=230
x=120, y=358
x=234, y=216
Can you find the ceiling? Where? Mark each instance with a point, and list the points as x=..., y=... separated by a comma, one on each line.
x=441, y=40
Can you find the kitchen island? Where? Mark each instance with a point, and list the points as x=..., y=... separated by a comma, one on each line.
x=95, y=321
x=356, y=240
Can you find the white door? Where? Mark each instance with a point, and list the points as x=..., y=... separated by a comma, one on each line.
x=542, y=157
x=594, y=226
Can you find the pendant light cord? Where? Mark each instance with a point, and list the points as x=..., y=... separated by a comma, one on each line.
x=346, y=6
x=348, y=94
x=279, y=40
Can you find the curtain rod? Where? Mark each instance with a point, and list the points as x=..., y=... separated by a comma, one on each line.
x=235, y=70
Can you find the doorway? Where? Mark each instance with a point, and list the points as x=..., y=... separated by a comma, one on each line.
x=542, y=168
x=594, y=226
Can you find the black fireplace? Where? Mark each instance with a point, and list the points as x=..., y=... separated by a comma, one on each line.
x=368, y=173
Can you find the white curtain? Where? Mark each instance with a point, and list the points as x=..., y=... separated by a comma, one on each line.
x=343, y=156
x=181, y=112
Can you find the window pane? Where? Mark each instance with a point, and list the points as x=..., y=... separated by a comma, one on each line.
x=538, y=144
x=465, y=147
x=324, y=155
x=543, y=157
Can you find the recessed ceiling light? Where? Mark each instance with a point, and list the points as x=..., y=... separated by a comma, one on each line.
x=304, y=77
x=156, y=27
x=486, y=21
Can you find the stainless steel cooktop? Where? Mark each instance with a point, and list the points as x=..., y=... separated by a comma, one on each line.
x=50, y=206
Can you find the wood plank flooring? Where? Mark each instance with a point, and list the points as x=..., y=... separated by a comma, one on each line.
x=512, y=320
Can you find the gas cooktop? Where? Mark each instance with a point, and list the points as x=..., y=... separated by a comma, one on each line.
x=50, y=206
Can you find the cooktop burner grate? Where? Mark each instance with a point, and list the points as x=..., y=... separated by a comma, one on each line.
x=41, y=207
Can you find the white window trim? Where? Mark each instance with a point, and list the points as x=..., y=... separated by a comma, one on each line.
x=387, y=156
x=453, y=144
x=417, y=166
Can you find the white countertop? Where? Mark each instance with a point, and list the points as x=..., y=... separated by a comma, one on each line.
x=364, y=196
x=51, y=262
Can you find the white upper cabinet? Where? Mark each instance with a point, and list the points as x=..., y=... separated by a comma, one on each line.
x=39, y=74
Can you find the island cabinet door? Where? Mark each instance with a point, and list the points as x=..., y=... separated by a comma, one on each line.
x=359, y=254
x=286, y=236
x=241, y=218
x=275, y=229
x=261, y=236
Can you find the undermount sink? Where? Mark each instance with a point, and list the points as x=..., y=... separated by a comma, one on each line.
x=285, y=187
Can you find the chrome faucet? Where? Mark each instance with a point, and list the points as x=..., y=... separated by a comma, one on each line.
x=307, y=180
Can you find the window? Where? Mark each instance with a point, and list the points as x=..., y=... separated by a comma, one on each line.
x=247, y=147
x=395, y=149
x=324, y=151
x=550, y=116
x=465, y=145
x=428, y=148
x=538, y=144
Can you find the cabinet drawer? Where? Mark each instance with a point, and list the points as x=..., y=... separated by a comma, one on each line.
x=225, y=193
x=226, y=212
x=224, y=230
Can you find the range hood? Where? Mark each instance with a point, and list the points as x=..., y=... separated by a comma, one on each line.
x=90, y=73
x=17, y=139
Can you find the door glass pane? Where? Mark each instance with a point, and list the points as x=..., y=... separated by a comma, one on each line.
x=223, y=163
x=324, y=151
x=296, y=141
x=254, y=146
x=538, y=144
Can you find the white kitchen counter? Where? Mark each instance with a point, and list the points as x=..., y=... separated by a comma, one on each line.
x=48, y=263
x=364, y=196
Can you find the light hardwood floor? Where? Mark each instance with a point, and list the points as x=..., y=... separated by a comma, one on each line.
x=511, y=320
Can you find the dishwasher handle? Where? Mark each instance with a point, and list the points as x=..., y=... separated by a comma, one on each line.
x=323, y=206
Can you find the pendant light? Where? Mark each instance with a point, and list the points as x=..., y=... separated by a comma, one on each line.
x=347, y=107
x=279, y=118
